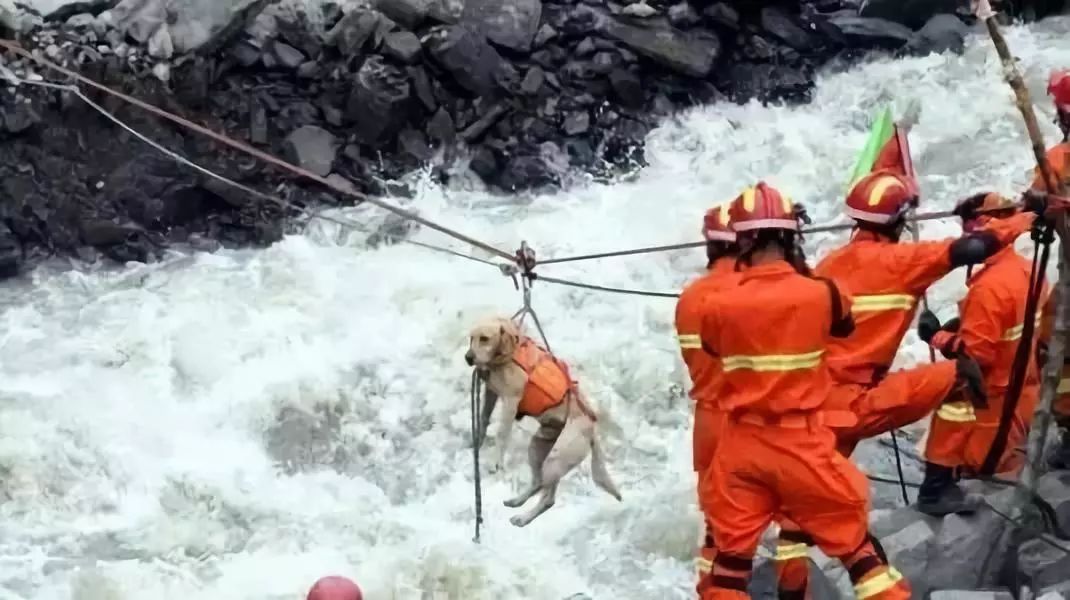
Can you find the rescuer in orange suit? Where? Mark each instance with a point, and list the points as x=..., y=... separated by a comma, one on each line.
x=704, y=369
x=1059, y=159
x=989, y=329
x=886, y=278
x=770, y=333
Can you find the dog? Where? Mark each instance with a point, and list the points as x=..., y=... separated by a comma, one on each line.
x=528, y=381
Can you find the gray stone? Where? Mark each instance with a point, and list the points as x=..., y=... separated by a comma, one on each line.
x=380, y=103
x=722, y=14
x=585, y=48
x=82, y=21
x=245, y=53
x=446, y=11
x=1044, y=565
x=308, y=70
x=911, y=13
x=402, y=46
x=784, y=28
x=258, y=123
x=872, y=33
x=968, y=548
x=545, y=34
x=414, y=143
x=533, y=81
x=312, y=148
x=690, y=53
x=424, y=90
x=441, y=127
x=100, y=232
x=407, y=13
x=473, y=63
x=354, y=30
x=942, y=33
x=577, y=123
x=683, y=15
x=139, y=19
x=287, y=56
x=971, y=595
x=193, y=24
x=510, y=24
x=640, y=10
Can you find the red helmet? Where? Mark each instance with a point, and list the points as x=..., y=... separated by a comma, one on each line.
x=881, y=197
x=335, y=588
x=1059, y=89
x=762, y=207
x=717, y=225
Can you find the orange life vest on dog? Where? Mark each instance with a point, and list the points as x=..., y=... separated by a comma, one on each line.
x=548, y=379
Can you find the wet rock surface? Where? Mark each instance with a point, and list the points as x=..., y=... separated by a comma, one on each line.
x=515, y=94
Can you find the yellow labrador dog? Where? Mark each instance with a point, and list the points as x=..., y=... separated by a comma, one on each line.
x=528, y=381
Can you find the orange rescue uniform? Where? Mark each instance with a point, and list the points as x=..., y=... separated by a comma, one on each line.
x=1059, y=159
x=992, y=316
x=705, y=371
x=771, y=333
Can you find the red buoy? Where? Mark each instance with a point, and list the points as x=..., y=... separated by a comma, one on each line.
x=335, y=587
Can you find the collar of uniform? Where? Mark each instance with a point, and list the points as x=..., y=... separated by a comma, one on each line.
x=862, y=235
x=777, y=268
x=999, y=256
x=725, y=264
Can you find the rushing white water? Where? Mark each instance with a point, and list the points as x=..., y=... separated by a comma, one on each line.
x=140, y=444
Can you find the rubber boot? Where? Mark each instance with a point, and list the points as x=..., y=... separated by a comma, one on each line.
x=940, y=495
x=1060, y=459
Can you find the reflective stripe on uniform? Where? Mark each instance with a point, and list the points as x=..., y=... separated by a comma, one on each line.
x=1064, y=386
x=791, y=551
x=703, y=565
x=773, y=362
x=1015, y=332
x=880, y=583
x=689, y=341
x=882, y=302
x=957, y=412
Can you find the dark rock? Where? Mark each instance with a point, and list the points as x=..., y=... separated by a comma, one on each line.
x=18, y=118
x=872, y=33
x=332, y=115
x=485, y=122
x=100, y=232
x=585, y=48
x=473, y=63
x=759, y=49
x=510, y=24
x=309, y=70
x=722, y=14
x=628, y=87
x=402, y=46
x=533, y=81
x=543, y=58
x=352, y=152
x=683, y=15
x=527, y=171
x=441, y=128
x=942, y=33
x=1043, y=565
x=784, y=28
x=155, y=192
x=580, y=153
x=421, y=82
x=964, y=543
x=446, y=11
x=407, y=13
x=911, y=13
x=68, y=11
x=765, y=82
x=288, y=56
x=244, y=53
x=11, y=252
x=604, y=62
x=354, y=30
x=380, y=103
x=690, y=53
x=545, y=34
x=258, y=123
x=484, y=163
x=413, y=142
x=971, y=595
x=312, y=148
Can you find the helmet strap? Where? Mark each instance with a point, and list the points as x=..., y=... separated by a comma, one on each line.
x=892, y=231
x=718, y=249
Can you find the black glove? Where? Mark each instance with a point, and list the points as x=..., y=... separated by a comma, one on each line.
x=967, y=209
x=968, y=373
x=953, y=325
x=928, y=325
x=800, y=213
x=1035, y=201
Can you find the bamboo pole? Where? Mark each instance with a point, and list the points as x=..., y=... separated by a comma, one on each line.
x=1042, y=418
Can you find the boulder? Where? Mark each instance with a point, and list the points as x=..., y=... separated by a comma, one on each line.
x=628, y=87
x=473, y=63
x=351, y=33
x=139, y=19
x=969, y=549
x=683, y=15
x=943, y=33
x=194, y=24
x=286, y=55
x=510, y=24
x=784, y=28
x=723, y=15
x=971, y=595
x=441, y=127
x=380, y=102
x=690, y=53
x=1043, y=565
x=863, y=32
x=312, y=148
x=402, y=46
x=912, y=13
x=407, y=13
x=533, y=81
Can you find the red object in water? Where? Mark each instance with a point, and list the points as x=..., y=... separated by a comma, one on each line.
x=335, y=587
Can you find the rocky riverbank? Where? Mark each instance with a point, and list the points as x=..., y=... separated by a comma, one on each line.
x=518, y=95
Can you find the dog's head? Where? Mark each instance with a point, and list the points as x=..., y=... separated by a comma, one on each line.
x=492, y=342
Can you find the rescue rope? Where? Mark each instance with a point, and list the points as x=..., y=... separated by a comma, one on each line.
x=477, y=441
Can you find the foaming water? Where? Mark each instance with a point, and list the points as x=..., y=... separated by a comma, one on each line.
x=232, y=426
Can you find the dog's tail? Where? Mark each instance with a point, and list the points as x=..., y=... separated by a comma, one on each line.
x=598, y=469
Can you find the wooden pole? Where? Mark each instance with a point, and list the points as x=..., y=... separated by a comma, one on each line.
x=1042, y=418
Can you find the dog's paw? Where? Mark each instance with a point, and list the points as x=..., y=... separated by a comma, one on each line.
x=513, y=502
x=519, y=521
